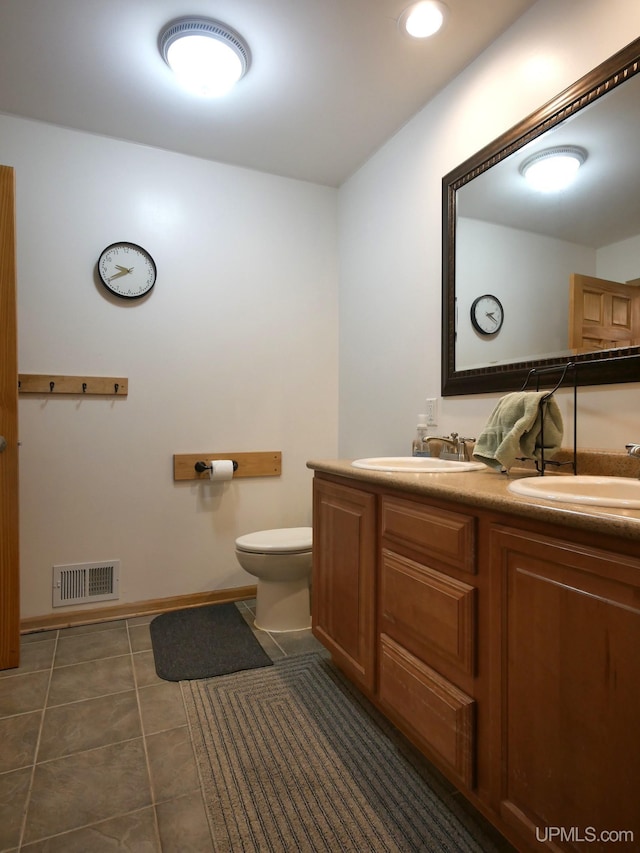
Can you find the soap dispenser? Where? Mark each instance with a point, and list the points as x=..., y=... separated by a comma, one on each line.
x=419, y=446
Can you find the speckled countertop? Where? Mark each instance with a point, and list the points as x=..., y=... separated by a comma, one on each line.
x=488, y=490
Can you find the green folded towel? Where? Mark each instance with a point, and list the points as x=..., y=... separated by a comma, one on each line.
x=513, y=430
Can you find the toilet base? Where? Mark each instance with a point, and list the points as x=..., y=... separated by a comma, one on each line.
x=283, y=605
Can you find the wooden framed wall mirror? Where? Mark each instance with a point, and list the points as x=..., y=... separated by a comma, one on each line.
x=564, y=267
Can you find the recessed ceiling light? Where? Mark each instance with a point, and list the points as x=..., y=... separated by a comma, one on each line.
x=423, y=19
x=207, y=57
x=553, y=169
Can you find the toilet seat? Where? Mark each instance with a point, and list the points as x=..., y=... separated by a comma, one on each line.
x=287, y=540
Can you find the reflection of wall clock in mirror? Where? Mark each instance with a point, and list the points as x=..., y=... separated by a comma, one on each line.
x=127, y=270
x=487, y=314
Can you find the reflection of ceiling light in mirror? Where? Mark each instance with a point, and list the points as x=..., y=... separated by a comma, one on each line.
x=423, y=19
x=207, y=57
x=553, y=169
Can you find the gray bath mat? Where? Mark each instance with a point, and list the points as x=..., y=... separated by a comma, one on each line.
x=204, y=641
x=293, y=758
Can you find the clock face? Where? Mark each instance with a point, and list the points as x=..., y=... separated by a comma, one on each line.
x=487, y=314
x=127, y=270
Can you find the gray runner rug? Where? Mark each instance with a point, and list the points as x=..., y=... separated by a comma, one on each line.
x=201, y=642
x=292, y=758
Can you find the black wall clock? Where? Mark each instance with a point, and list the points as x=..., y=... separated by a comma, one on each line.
x=487, y=314
x=127, y=270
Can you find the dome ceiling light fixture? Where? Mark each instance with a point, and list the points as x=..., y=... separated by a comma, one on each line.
x=423, y=19
x=207, y=57
x=553, y=169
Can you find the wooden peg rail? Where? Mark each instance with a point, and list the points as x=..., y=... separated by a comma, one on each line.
x=44, y=383
x=260, y=464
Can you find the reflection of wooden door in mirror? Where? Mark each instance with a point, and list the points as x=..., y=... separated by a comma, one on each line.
x=603, y=314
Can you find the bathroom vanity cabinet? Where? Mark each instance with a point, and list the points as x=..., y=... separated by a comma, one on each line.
x=507, y=649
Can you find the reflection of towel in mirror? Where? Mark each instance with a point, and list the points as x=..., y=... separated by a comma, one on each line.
x=513, y=430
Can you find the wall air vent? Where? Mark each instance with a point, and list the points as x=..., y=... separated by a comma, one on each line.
x=81, y=583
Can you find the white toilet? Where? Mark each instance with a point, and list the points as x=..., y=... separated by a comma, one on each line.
x=281, y=561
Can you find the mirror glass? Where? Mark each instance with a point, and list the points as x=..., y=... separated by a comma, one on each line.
x=564, y=266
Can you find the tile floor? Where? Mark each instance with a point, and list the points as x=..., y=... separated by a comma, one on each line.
x=95, y=753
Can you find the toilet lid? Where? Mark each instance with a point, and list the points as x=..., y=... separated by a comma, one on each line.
x=281, y=541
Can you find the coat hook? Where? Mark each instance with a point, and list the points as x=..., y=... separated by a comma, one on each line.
x=51, y=386
x=84, y=387
x=116, y=386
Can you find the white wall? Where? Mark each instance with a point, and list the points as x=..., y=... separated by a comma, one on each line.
x=390, y=233
x=620, y=261
x=235, y=349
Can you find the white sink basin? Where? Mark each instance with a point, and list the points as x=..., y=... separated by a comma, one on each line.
x=582, y=489
x=416, y=464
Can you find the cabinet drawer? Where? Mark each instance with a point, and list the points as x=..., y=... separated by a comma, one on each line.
x=422, y=608
x=438, y=712
x=444, y=535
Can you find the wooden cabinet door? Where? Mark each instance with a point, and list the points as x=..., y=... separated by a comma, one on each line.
x=344, y=552
x=568, y=731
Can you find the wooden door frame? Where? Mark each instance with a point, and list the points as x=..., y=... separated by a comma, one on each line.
x=9, y=534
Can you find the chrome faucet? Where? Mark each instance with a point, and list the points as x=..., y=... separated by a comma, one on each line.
x=459, y=449
x=633, y=450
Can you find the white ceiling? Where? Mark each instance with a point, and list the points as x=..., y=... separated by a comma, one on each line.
x=330, y=80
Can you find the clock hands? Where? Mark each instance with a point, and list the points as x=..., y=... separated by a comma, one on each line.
x=123, y=271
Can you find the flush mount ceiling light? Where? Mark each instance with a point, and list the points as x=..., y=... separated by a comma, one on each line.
x=207, y=57
x=553, y=169
x=423, y=19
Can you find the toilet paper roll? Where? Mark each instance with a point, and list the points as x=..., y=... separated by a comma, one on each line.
x=221, y=469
